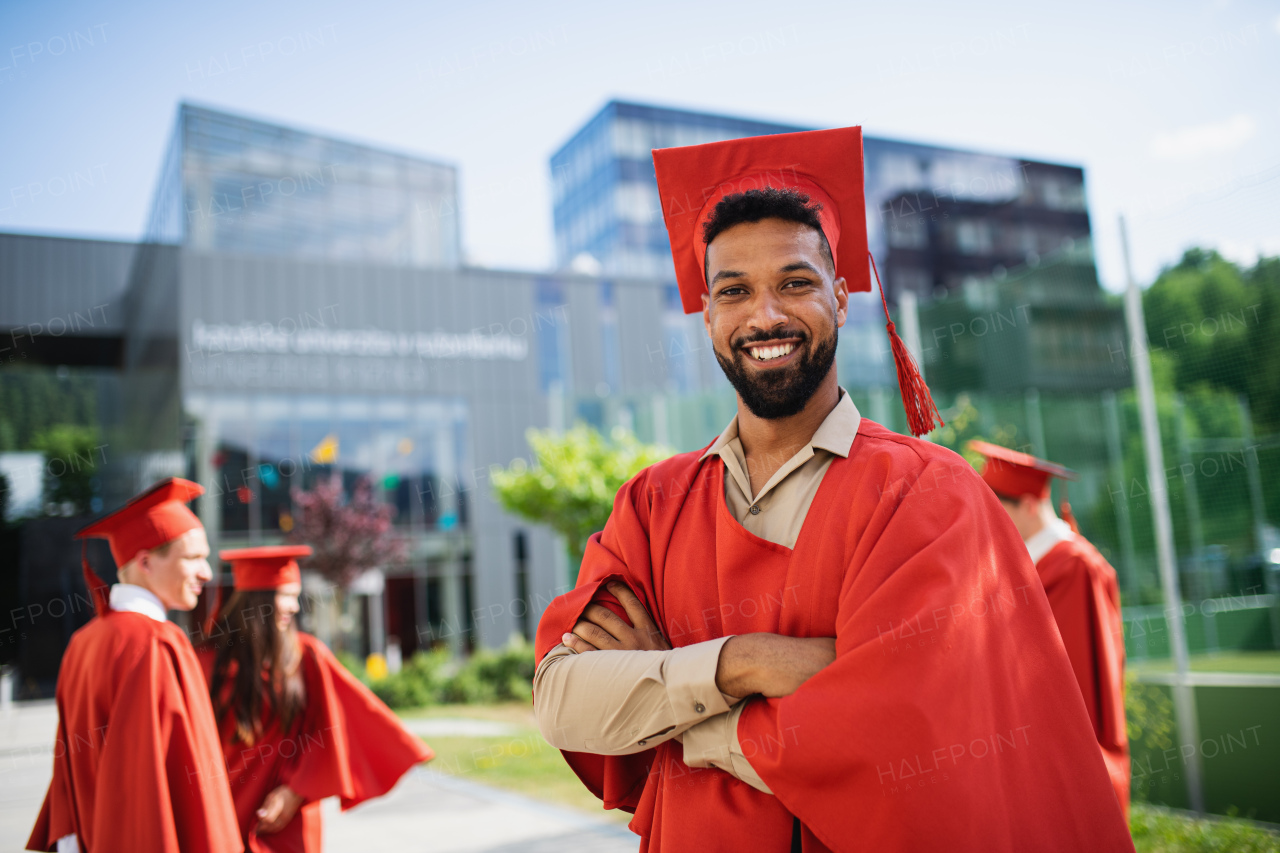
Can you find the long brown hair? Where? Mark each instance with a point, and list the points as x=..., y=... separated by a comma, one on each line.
x=256, y=665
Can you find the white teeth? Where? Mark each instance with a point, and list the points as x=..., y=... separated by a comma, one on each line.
x=767, y=353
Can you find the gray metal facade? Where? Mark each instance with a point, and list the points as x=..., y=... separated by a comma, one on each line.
x=62, y=288
x=277, y=302
x=179, y=320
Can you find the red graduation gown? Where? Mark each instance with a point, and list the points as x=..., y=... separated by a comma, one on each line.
x=1085, y=597
x=347, y=744
x=136, y=736
x=950, y=719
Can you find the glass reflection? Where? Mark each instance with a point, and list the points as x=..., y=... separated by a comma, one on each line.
x=412, y=451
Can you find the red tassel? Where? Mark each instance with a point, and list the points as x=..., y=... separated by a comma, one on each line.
x=97, y=587
x=916, y=399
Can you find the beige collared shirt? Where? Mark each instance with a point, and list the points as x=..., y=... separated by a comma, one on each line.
x=617, y=703
x=778, y=512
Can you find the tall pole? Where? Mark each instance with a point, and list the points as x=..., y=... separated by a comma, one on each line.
x=1111, y=410
x=1183, y=697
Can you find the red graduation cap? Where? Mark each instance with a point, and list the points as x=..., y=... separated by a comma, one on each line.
x=151, y=519
x=268, y=567
x=826, y=166
x=1011, y=474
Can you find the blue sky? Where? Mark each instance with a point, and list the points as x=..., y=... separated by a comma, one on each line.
x=1170, y=107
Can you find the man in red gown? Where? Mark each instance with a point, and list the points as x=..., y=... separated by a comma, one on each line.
x=344, y=743
x=1082, y=590
x=816, y=634
x=136, y=734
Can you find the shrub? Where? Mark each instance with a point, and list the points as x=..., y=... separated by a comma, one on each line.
x=419, y=681
x=494, y=676
x=1150, y=719
x=430, y=678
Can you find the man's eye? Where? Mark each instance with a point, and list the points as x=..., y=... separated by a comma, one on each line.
x=798, y=282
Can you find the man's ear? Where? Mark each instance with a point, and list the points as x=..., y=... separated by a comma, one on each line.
x=842, y=300
x=706, y=312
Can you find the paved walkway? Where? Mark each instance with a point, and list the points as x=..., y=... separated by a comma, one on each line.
x=428, y=811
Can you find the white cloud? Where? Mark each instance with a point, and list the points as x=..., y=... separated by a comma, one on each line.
x=1189, y=143
x=1247, y=252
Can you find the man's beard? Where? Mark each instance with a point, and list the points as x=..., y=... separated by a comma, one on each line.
x=780, y=392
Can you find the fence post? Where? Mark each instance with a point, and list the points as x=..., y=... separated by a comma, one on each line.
x=1255, y=479
x=1183, y=696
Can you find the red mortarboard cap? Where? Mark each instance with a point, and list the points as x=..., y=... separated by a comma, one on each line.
x=825, y=165
x=269, y=567
x=1012, y=474
x=156, y=516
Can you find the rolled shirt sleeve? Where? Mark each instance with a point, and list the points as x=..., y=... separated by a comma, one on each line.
x=623, y=702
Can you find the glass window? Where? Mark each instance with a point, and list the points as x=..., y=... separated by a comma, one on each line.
x=260, y=188
x=411, y=451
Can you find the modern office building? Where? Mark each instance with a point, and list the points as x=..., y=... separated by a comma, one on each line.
x=937, y=217
x=606, y=211
x=256, y=374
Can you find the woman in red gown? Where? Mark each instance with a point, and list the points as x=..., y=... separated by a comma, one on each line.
x=295, y=726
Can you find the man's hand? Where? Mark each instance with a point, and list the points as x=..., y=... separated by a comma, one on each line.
x=278, y=809
x=599, y=628
x=771, y=664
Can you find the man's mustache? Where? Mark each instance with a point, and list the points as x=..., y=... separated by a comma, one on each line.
x=762, y=337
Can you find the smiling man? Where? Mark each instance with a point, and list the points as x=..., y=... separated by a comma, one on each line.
x=137, y=764
x=814, y=634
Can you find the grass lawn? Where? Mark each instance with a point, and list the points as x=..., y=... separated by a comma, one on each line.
x=1252, y=662
x=522, y=761
x=1157, y=830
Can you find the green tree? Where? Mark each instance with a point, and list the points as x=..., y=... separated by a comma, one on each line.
x=34, y=398
x=1215, y=337
x=1220, y=325
x=73, y=458
x=571, y=486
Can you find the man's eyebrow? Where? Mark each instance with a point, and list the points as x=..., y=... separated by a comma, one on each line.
x=728, y=274
x=800, y=265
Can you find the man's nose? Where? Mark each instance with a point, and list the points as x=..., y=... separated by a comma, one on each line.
x=766, y=312
x=203, y=572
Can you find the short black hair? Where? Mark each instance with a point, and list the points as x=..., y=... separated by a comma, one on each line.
x=767, y=203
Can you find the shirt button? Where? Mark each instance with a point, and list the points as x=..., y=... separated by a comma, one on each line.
x=755, y=510
x=699, y=707
x=643, y=742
